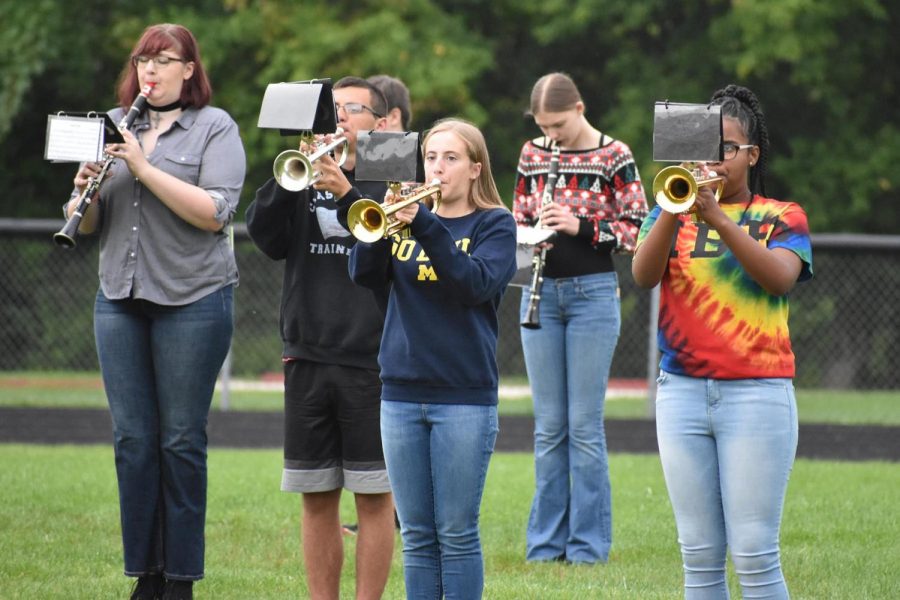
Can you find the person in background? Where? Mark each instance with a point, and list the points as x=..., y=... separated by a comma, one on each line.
x=399, y=113
x=439, y=400
x=726, y=415
x=163, y=315
x=596, y=209
x=397, y=119
x=331, y=329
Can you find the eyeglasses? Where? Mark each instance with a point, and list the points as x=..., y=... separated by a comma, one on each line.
x=729, y=151
x=354, y=108
x=160, y=60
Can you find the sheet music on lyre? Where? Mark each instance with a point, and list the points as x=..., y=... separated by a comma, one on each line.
x=74, y=139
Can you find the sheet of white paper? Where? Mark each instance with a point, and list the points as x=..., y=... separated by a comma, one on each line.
x=531, y=236
x=74, y=139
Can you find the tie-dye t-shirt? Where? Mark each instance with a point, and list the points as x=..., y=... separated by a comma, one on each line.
x=714, y=320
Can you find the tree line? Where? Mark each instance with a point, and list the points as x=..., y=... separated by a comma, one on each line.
x=825, y=71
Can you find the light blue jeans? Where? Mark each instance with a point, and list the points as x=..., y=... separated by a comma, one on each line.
x=727, y=448
x=568, y=362
x=437, y=459
x=159, y=366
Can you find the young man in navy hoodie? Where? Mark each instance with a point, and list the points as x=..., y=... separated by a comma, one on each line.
x=331, y=329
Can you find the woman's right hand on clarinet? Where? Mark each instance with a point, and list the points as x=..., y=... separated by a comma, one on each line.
x=559, y=218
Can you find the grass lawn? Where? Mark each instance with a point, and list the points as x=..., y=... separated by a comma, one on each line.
x=85, y=390
x=59, y=518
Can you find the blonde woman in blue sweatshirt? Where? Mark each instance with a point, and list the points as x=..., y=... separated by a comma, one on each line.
x=438, y=359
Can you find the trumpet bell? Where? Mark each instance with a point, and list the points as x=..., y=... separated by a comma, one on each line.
x=292, y=170
x=367, y=220
x=675, y=188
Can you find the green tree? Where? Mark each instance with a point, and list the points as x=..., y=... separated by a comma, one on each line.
x=823, y=70
x=245, y=45
x=833, y=92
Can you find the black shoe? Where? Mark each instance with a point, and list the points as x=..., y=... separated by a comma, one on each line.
x=350, y=529
x=148, y=587
x=178, y=590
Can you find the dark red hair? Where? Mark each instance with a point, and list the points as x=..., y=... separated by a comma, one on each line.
x=196, y=91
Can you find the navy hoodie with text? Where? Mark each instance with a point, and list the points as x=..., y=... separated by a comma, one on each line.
x=440, y=334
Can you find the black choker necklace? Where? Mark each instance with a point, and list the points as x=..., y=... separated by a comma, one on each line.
x=166, y=108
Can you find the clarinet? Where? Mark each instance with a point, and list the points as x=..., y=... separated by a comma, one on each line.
x=532, y=318
x=65, y=237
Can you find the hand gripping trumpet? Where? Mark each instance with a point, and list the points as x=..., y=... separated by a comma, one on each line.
x=294, y=170
x=370, y=221
x=675, y=189
x=65, y=237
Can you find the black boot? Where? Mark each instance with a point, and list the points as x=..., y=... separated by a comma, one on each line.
x=178, y=590
x=148, y=587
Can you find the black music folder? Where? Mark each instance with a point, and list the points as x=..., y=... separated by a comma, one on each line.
x=298, y=107
x=687, y=132
x=389, y=156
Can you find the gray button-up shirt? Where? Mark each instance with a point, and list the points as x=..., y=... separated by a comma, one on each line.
x=149, y=252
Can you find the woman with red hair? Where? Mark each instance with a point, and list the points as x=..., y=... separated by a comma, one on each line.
x=163, y=316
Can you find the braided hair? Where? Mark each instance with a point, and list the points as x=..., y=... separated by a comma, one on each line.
x=740, y=103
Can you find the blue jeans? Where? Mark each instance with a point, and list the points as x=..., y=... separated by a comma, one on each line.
x=727, y=448
x=437, y=459
x=159, y=366
x=568, y=362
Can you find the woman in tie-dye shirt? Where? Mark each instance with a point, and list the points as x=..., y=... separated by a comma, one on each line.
x=725, y=408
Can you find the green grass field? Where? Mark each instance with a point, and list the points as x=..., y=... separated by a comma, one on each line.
x=59, y=518
x=60, y=533
x=72, y=390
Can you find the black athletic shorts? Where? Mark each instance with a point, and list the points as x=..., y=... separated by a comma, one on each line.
x=332, y=429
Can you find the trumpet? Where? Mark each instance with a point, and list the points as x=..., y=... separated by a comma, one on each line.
x=65, y=237
x=370, y=221
x=675, y=189
x=294, y=170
